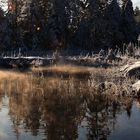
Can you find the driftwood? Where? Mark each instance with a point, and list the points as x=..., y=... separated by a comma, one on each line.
x=27, y=62
x=131, y=70
x=23, y=62
x=136, y=88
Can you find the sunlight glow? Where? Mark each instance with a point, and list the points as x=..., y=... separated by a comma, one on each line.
x=38, y=28
x=136, y=3
x=4, y=5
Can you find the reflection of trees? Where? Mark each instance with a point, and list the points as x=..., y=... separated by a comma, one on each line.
x=102, y=117
x=62, y=115
x=3, y=91
x=1, y=96
x=32, y=120
x=25, y=110
x=58, y=109
x=18, y=109
x=58, y=116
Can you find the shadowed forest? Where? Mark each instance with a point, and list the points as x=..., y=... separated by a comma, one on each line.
x=89, y=25
x=69, y=70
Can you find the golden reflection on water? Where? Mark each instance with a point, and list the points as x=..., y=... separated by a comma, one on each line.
x=54, y=108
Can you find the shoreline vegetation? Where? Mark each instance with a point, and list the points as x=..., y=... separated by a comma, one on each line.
x=96, y=73
x=69, y=69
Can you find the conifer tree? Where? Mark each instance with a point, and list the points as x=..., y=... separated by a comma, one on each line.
x=113, y=19
x=2, y=28
x=128, y=25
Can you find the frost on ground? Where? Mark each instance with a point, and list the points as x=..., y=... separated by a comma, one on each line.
x=105, y=75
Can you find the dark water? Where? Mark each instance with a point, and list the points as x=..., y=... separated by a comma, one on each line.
x=56, y=116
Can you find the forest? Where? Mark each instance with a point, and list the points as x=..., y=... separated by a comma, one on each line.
x=89, y=25
x=69, y=69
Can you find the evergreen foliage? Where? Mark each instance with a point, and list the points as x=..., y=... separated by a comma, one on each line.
x=76, y=24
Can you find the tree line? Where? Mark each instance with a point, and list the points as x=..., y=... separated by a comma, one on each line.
x=68, y=24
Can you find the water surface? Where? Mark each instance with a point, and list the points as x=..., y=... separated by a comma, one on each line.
x=64, y=110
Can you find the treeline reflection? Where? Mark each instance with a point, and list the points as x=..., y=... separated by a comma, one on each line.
x=58, y=113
